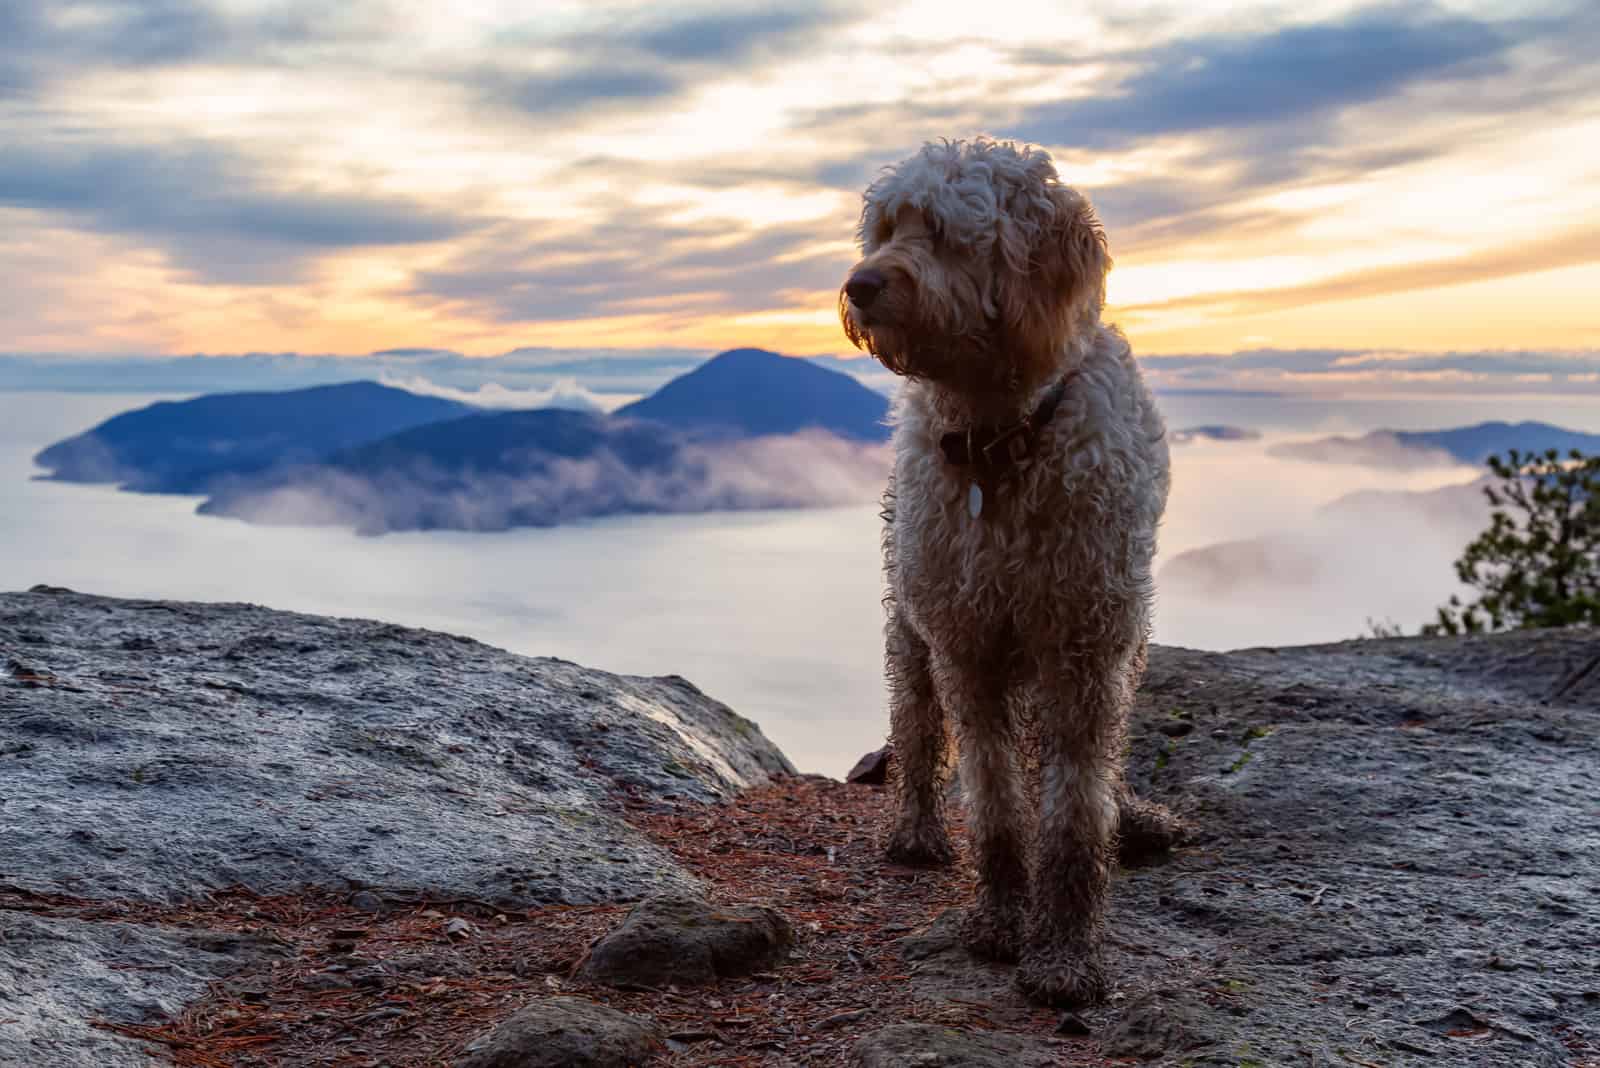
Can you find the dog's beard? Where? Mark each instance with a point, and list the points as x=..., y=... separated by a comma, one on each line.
x=968, y=361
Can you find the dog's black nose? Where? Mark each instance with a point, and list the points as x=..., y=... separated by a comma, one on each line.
x=864, y=287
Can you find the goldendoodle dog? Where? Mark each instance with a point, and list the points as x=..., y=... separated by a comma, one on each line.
x=1030, y=476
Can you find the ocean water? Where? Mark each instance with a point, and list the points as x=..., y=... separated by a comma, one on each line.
x=776, y=613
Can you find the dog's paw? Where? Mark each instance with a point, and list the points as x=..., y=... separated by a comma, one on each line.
x=920, y=846
x=1146, y=829
x=1063, y=978
x=993, y=933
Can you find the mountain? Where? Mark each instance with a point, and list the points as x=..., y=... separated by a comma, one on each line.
x=752, y=392
x=1437, y=448
x=190, y=446
x=748, y=429
x=514, y=443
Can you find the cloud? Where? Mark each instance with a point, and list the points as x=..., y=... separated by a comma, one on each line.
x=1576, y=246
x=564, y=92
x=635, y=263
x=1484, y=373
x=723, y=36
x=42, y=43
x=639, y=62
x=209, y=208
x=1241, y=116
x=565, y=167
x=564, y=392
x=1294, y=73
x=607, y=377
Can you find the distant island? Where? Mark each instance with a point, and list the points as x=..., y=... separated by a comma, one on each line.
x=191, y=446
x=1409, y=449
x=1213, y=432
x=747, y=429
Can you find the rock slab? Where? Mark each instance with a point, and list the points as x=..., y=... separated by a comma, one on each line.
x=564, y=1033
x=684, y=941
x=154, y=750
x=59, y=975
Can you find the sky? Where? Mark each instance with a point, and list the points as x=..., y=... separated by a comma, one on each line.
x=1399, y=193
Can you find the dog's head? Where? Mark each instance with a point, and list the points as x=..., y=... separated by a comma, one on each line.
x=978, y=267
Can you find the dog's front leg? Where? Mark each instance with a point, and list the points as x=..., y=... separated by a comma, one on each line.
x=921, y=751
x=1080, y=734
x=976, y=695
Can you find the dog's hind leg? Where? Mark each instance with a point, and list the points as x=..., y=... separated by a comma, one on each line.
x=921, y=751
x=1144, y=828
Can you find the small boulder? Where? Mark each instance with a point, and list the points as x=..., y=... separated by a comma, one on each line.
x=563, y=1033
x=1158, y=1024
x=872, y=769
x=680, y=940
x=930, y=1046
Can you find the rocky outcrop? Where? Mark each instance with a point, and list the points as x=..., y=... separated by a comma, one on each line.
x=154, y=752
x=1396, y=859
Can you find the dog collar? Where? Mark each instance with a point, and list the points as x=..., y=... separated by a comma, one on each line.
x=995, y=447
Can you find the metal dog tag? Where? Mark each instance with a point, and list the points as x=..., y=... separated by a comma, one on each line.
x=974, y=500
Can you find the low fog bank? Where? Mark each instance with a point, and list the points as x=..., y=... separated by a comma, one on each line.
x=806, y=470
x=564, y=392
x=1368, y=555
x=1381, y=449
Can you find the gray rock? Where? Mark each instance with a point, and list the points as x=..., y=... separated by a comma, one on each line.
x=941, y=970
x=1165, y=1023
x=563, y=1033
x=1391, y=834
x=57, y=975
x=873, y=768
x=684, y=941
x=1398, y=860
x=155, y=750
x=911, y=1045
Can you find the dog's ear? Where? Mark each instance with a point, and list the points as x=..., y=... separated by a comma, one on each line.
x=1075, y=257
x=1053, y=285
x=870, y=228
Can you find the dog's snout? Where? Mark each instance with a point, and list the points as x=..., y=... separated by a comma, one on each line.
x=864, y=287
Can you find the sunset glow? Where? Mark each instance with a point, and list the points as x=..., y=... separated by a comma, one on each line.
x=229, y=176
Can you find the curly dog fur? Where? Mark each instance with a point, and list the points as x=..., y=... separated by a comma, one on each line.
x=1024, y=627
